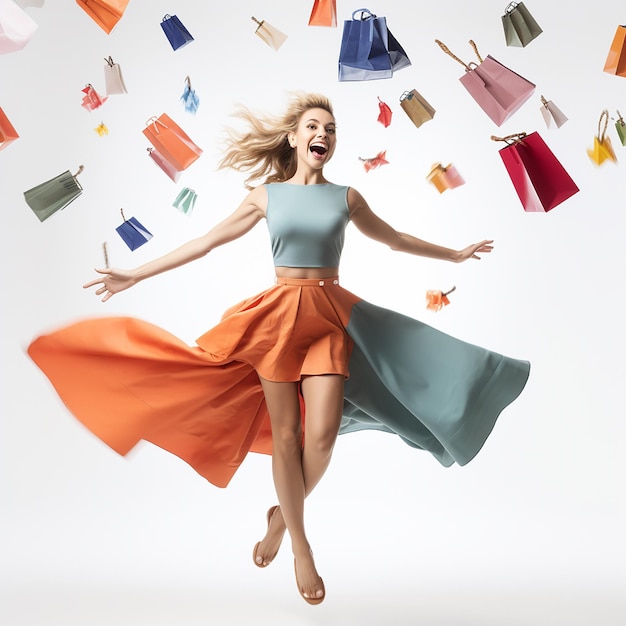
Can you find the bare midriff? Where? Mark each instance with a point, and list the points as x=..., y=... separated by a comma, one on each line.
x=306, y=272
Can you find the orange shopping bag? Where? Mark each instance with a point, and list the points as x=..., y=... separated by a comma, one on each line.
x=7, y=132
x=105, y=13
x=324, y=13
x=616, y=59
x=173, y=144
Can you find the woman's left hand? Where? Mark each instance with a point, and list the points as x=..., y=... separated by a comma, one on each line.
x=473, y=251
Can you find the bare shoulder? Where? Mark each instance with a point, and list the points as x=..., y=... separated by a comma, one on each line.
x=255, y=202
x=356, y=202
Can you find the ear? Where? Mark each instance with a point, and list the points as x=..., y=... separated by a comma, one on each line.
x=291, y=138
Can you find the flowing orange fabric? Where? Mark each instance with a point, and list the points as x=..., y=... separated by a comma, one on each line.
x=105, y=13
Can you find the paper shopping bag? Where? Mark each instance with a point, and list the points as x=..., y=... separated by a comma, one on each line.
x=384, y=113
x=105, y=13
x=163, y=164
x=368, y=49
x=416, y=107
x=602, y=148
x=620, y=127
x=185, y=200
x=133, y=232
x=189, y=98
x=92, y=99
x=436, y=300
x=540, y=180
x=269, y=34
x=324, y=13
x=520, y=27
x=113, y=79
x=552, y=115
x=171, y=141
x=53, y=195
x=616, y=59
x=175, y=31
x=7, y=132
x=498, y=90
x=16, y=27
x=372, y=163
x=444, y=178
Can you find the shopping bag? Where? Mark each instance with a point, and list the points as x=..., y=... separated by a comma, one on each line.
x=498, y=90
x=189, y=98
x=269, y=34
x=113, y=79
x=102, y=129
x=384, y=113
x=616, y=59
x=540, y=180
x=133, y=232
x=16, y=27
x=185, y=200
x=602, y=148
x=416, y=107
x=171, y=141
x=444, y=178
x=323, y=13
x=92, y=99
x=368, y=49
x=175, y=31
x=436, y=300
x=375, y=162
x=552, y=115
x=53, y=195
x=620, y=127
x=105, y=13
x=164, y=165
x=7, y=132
x=520, y=27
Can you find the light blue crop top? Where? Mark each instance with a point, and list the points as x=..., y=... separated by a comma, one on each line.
x=307, y=223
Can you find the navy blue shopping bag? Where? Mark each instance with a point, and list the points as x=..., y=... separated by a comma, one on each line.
x=175, y=31
x=133, y=232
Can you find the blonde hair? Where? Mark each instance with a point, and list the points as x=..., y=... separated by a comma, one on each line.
x=263, y=150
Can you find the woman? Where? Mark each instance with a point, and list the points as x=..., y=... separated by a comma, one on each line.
x=304, y=346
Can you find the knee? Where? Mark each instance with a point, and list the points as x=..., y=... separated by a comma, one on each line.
x=287, y=437
x=321, y=441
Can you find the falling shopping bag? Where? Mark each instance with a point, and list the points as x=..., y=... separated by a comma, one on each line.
x=53, y=195
x=189, y=98
x=416, y=107
x=105, y=13
x=384, y=113
x=113, y=79
x=368, y=49
x=540, y=180
x=7, y=132
x=520, y=27
x=444, y=177
x=16, y=27
x=616, y=59
x=164, y=165
x=602, y=149
x=102, y=129
x=92, y=99
x=552, y=115
x=171, y=141
x=269, y=34
x=185, y=200
x=436, y=300
x=620, y=127
x=375, y=162
x=133, y=232
x=323, y=13
x=175, y=31
x=499, y=91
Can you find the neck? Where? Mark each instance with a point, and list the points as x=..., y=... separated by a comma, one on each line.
x=301, y=177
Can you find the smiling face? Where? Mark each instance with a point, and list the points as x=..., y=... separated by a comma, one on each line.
x=314, y=140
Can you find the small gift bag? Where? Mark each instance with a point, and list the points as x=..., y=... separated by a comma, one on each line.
x=175, y=31
x=375, y=162
x=53, y=195
x=105, y=13
x=7, y=132
x=416, y=107
x=113, y=79
x=552, y=115
x=620, y=127
x=163, y=164
x=102, y=129
x=602, y=148
x=16, y=27
x=269, y=34
x=173, y=144
x=189, y=98
x=92, y=99
x=368, y=49
x=498, y=90
x=520, y=27
x=444, y=177
x=616, y=59
x=436, y=300
x=133, y=232
x=384, y=113
x=540, y=180
x=185, y=200
x=324, y=13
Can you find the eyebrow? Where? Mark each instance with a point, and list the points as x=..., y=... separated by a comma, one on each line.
x=314, y=120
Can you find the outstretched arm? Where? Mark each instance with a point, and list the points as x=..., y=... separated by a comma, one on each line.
x=374, y=227
x=249, y=213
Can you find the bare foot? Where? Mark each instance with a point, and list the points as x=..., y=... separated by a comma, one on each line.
x=265, y=551
x=310, y=584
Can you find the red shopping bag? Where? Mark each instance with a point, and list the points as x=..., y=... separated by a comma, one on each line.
x=323, y=13
x=498, y=90
x=384, y=113
x=105, y=13
x=540, y=180
x=616, y=59
x=7, y=132
x=164, y=165
x=171, y=141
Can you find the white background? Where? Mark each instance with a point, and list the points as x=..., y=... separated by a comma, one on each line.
x=531, y=532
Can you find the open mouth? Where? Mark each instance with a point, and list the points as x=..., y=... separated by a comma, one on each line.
x=318, y=149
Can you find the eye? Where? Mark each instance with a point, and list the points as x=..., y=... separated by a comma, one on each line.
x=331, y=130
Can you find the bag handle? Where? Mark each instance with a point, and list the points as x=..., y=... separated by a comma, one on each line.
x=123, y=217
x=511, y=140
x=475, y=48
x=105, y=253
x=510, y=7
x=601, y=133
x=620, y=119
x=154, y=120
x=110, y=61
x=362, y=19
x=544, y=102
x=79, y=171
x=456, y=58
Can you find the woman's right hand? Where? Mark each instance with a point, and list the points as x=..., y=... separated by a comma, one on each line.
x=112, y=281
